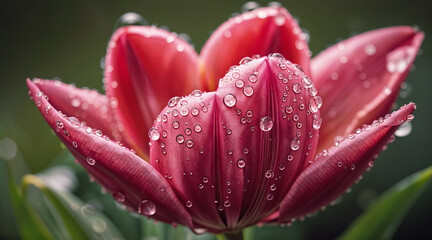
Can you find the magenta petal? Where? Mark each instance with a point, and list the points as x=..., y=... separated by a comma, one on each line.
x=359, y=78
x=262, y=31
x=231, y=156
x=337, y=168
x=88, y=106
x=145, y=67
x=130, y=179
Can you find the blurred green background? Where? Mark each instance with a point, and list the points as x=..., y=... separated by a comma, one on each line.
x=66, y=40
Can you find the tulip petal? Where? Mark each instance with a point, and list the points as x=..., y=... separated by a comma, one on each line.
x=234, y=170
x=337, y=168
x=86, y=105
x=145, y=67
x=359, y=78
x=133, y=181
x=262, y=31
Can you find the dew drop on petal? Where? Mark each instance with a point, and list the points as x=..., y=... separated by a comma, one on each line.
x=316, y=123
x=290, y=158
x=230, y=100
x=279, y=19
x=296, y=88
x=154, y=134
x=91, y=161
x=239, y=83
x=176, y=124
x=189, y=143
x=241, y=163
x=180, y=139
x=245, y=60
x=188, y=204
x=370, y=49
x=197, y=128
x=315, y=104
x=295, y=144
x=253, y=78
x=266, y=124
x=147, y=208
x=119, y=197
x=248, y=90
x=404, y=129
x=269, y=174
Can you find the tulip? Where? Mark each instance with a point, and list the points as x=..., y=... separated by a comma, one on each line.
x=243, y=149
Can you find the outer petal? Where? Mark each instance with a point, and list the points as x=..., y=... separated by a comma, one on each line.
x=87, y=105
x=229, y=172
x=133, y=181
x=359, y=78
x=337, y=168
x=262, y=31
x=145, y=67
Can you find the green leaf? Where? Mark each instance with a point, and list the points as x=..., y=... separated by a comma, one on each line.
x=29, y=225
x=66, y=216
x=381, y=219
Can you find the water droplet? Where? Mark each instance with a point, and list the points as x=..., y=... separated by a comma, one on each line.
x=273, y=187
x=276, y=55
x=316, y=124
x=241, y=163
x=130, y=18
x=282, y=167
x=334, y=76
x=253, y=78
x=269, y=197
x=266, y=124
x=119, y=197
x=269, y=174
x=188, y=204
x=184, y=111
x=173, y=101
x=249, y=113
x=248, y=90
x=176, y=124
x=227, y=34
x=290, y=158
x=245, y=60
x=295, y=144
x=74, y=144
x=180, y=139
x=59, y=124
x=229, y=131
x=404, y=129
x=245, y=151
x=339, y=164
x=154, y=134
x=387, y=91
x=197, y=128
x=370, y=49
x=189, y=143
x=205, y=180
x=230, y=100
x=147, y=208
x=353, y=167
x=289, y=109
x=91, y=161
x=279, y=19
x=315, y=104
x=296, y=88
x=227, y=203
x=239, y=83
x=75, y=102
x=188, y=131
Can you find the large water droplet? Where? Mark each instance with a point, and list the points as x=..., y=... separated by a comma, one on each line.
x=154, y=134
x=315, y=103
x=130, y=18
x=266, y=124
x=180, y=139
x=404, y=129
x=173, y=101
x=316, y=124
x=230, y=100
x=253, y=78
x=197, y=128
x=147, y=207
x=297, y=88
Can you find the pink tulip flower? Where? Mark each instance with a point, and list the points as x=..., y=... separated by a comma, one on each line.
x=249, y=143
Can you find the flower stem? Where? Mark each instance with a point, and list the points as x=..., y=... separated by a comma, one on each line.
x=233, y=235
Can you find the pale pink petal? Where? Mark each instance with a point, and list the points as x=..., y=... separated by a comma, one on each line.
x=262, y=31
x=337, y=168
x=130, y=179
x=145, y=67
x=359, y=78
x=231, y=173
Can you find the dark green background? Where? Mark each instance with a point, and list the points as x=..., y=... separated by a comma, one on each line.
x=66, y=39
